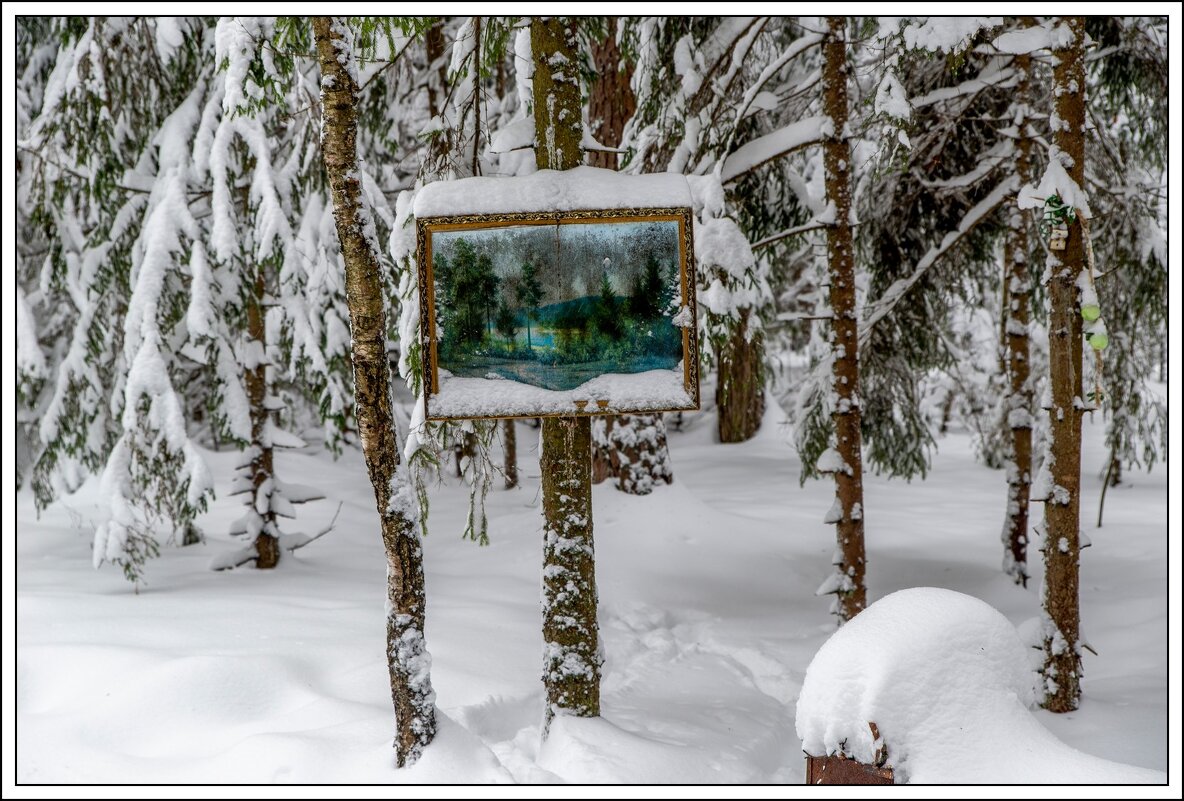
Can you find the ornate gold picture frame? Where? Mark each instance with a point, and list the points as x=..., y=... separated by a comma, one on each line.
x=538, y=314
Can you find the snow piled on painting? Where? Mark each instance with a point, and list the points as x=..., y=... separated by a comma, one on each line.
x=553, y=190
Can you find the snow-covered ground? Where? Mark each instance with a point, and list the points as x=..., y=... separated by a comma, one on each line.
x=707, y=615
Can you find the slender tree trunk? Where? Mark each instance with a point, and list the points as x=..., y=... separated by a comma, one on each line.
x=630, y=448
x=475, y=167
x=440, y=145
x=510, y=446
x=740, y=392
x=851, y=591
x=947, y=411
x=571, y=670
x=1112, y=468
x=1062, y=512
x=262, y=467
x=1019, y=399
x=407, y=656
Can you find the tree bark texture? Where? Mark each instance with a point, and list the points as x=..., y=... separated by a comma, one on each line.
x=407, y=657
x=1062, y=509
x=1018, y=286
x=571, y=660
x=611, y=102
x=740, y=391
x=571, y=670
x=851, y=592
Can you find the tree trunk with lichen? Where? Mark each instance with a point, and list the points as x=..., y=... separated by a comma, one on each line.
x=571, y=660
x=1062, y=509
x=850, y=590
x=408, y=660
x=1019, y=391
x=740, y=391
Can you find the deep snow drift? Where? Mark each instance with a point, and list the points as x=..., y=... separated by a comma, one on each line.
x=707, y=615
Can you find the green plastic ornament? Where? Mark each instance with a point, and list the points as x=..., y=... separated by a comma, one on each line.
x=1098, y=341
x=1090, y=312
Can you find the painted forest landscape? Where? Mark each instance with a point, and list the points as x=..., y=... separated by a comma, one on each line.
x=638, y=400
x=586, y=298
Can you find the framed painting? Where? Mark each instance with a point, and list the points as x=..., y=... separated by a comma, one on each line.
x=533, y=314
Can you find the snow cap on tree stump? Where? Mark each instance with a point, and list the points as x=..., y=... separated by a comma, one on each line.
x=925, y=665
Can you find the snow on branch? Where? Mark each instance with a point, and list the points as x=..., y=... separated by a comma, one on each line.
x=812, y=225
x=796, y=47
x=997, y=155
x=887, y=302
x=725, y=45
x=1055, y=181
x=945, y=34
x=782, y=142
x=289, y=542
x=973, y=86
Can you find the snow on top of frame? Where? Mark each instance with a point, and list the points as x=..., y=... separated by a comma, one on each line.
x=553, y=190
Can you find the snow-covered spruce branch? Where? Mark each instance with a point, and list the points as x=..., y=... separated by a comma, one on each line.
x=782, y=142
x=1000, y=78
x=744, y=28
x=290, y=542
x=880, y=308
x=797, y=230
x=796, y=48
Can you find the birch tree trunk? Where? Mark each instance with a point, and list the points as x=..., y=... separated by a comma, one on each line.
x=850, y=590
x=407, y=656
x=571, y=661
x=1062, y=509
x=1019, y=398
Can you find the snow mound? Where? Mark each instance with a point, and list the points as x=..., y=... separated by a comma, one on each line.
x=595, y=751
x=946, y=679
